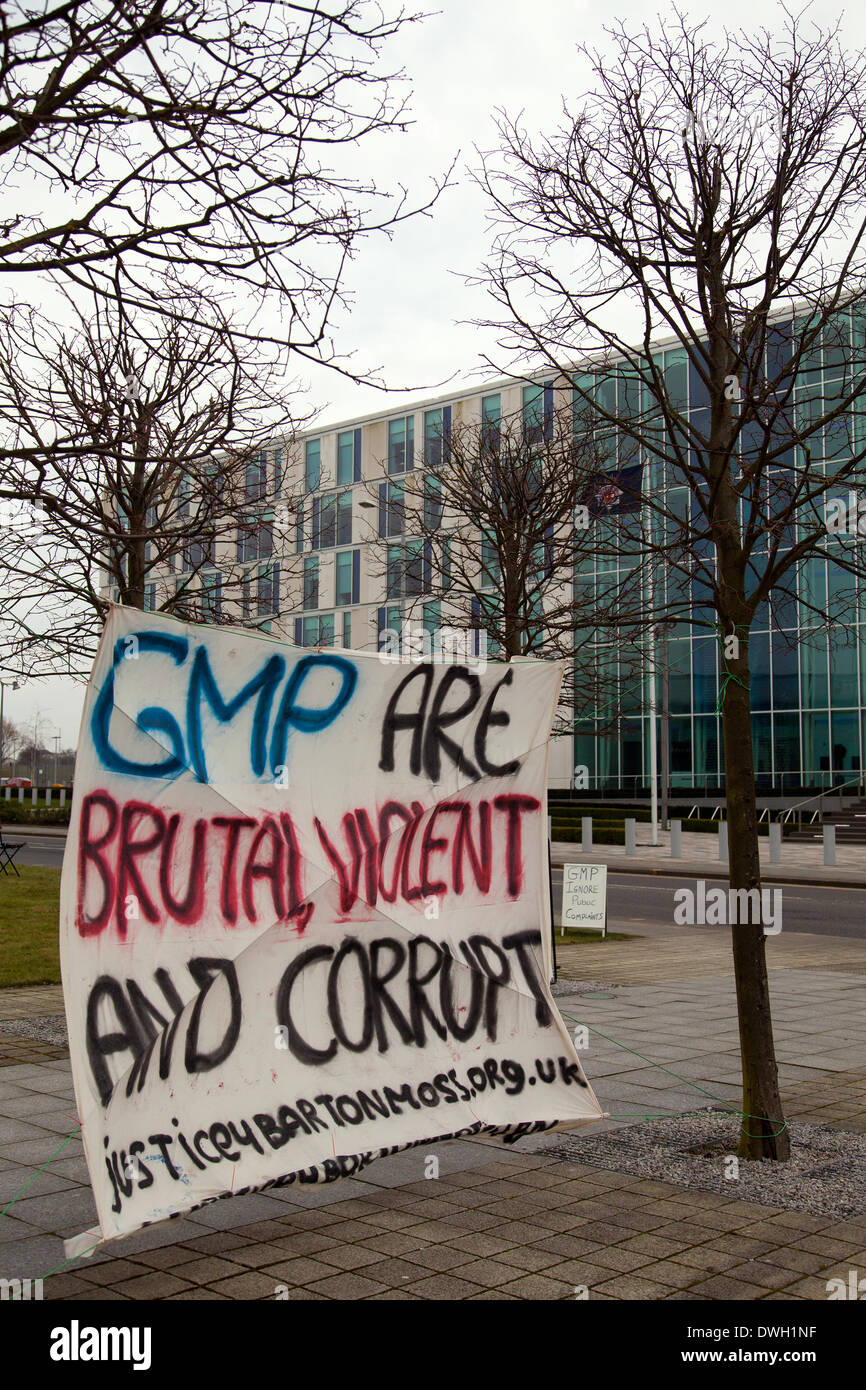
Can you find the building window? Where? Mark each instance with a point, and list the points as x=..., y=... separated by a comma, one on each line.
x=432, y=504
x=401, y=444
x=347, y=630
x=344, y=518
x=149, y=598
x=538, y=413
x=433, y=436
x=199, y=554
x=318, y=631
x=313, y=464
x=348, y=572
x=348, y=458
x=332, y=520
x=391, y=509
x=327, y=518
x=299, y=530
x=445, y=575
x=394, y=577
x=405, y=571
x=311, y=581
x=345, y=458
x=389, y=624
x=490, y=571
x=212, y=597
x=268, y=591
x=432, y=617
x=150, y=525
x=255, y=541
x=491, y=416
x=183, y=495
x=256, y=480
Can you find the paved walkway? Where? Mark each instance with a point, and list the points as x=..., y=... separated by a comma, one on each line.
x=663, y=954
x=31, y=1000
x=523, y=1226
x=497, y=1223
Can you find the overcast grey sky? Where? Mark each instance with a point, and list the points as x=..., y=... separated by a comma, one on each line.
x=410, y=299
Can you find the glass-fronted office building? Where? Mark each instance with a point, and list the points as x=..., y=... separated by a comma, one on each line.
x=808, y=676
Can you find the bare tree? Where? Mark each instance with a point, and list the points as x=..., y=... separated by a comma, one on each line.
x=491, y=529
x=136, y=471
x=11, y=740
x=712, y=192
x=31, y=747
x=190, y=137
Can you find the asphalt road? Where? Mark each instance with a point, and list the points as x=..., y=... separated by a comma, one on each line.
x=636, y=902
x=46, y=851
x=645, y=901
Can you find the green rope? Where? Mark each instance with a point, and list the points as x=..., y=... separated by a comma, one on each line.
x=71, y=1261
x=21, y=1191
x=731, y=1110
x=40, y=1170
x=729, y=675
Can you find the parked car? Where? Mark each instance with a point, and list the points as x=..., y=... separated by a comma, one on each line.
x=17, y=782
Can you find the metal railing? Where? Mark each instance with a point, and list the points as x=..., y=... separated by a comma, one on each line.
x=819, y=810
x=695, y=812
x=619, y=787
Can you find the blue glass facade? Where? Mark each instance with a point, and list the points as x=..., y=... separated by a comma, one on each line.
x=808, y=676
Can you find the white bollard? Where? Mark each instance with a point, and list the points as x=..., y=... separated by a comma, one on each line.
x=48, y=798
x=829, y=845
x=21, y=796
x=34, y=796
x=723, y=839
x=586, y=834
x=676, y=839
x=630, y=837
x=775, y=842
x=8, y=793
x=62, y=797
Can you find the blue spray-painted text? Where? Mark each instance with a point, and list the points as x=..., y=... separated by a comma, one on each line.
x=202, y=690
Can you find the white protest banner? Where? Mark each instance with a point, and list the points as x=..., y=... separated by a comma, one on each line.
x=584, y=896
x=305, y=914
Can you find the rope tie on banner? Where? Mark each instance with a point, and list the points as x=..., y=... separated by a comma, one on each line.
x=671, y=1114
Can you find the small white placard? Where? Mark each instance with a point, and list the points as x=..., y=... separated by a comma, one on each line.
x=584, y=896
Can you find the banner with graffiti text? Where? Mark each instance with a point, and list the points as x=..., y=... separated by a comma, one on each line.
x=305, y=914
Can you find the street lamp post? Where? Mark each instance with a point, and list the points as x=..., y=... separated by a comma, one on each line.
x=56, y=738
x=665, y=725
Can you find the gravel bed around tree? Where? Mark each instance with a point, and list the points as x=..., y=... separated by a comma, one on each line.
x=825, y=1176
x=564, y=987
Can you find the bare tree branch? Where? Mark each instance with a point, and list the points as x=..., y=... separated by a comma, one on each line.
x=710, y=192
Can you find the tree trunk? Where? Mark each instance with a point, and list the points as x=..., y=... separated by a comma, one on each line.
x=136, y=567
x=762, y=1134
x=512, y=617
